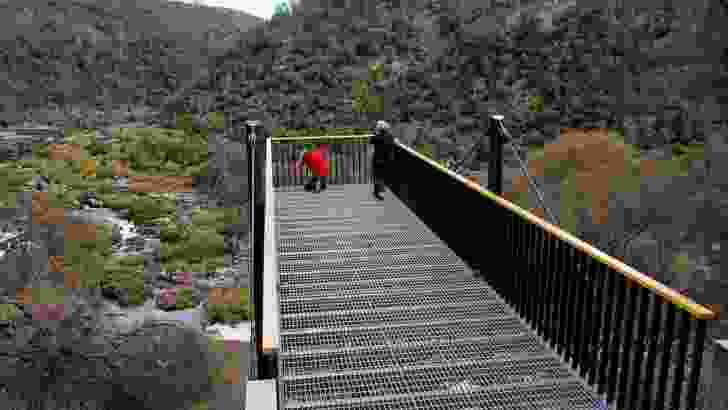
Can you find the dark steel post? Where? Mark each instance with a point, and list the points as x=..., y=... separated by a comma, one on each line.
x=256, y=161
x=495, y=167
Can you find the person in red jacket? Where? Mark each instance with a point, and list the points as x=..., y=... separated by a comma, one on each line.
x=317, y=161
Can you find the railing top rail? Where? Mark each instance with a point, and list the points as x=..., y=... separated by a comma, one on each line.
x=289, y=140
x=696, y=310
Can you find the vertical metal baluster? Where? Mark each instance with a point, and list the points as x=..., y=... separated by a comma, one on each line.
x=548, y=314
x=630, y=308
x=560, y=296
x=523, y=272
x=290, y=178
x=684, y=339
x=349, y=169
x=651, y=363
x=570, y=302
x=296, y=170
x=539, y=271
x=587, y=362
x=528, y=279
x=506, y=232
x=340, y=177
x=699, y=345
x=541, y=284
x=543, y=281
x=598, y=313
x=511, y=280
x=609, y=292
x=366, y=163
x=352, y=160
x=644, y=303
x=517, y=277
x=616, y=344
x=666, y=357
x=291, y=174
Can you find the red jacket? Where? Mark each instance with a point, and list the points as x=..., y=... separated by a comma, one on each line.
x=317, y=161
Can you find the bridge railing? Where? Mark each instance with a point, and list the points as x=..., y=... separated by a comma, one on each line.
x=628, y=335
x=348, y=155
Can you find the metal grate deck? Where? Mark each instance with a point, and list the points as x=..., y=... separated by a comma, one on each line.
x=377, y=313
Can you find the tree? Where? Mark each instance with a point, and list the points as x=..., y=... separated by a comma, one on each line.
x=281, y=9
x=608, y=196
x=363, y=102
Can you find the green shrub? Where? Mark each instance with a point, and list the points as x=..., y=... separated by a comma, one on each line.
x=535, y=103
x=184, y=298
x=183, y=121
x=216, y=120
x=104, y=171
x=40, y=151
x=9, y=312
x=133, y=260
x=204, y=404
x=202, y=244
x=173, y=233
x=48, y=295
x=98, y=149
x=145, y=210
x=230, y=313
x=681, y=263
x=215, y=219
x=126, y=278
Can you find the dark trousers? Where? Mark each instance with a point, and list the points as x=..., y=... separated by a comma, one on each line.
x=378, y=177
x=316, y=183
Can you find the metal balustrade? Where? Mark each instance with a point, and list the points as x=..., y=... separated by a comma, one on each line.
x=632, y=339
x=349, y=160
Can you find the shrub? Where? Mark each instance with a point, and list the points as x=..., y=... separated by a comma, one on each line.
x=224, y=310
x=123, y=281
x=9, y=312
x=216, y=120
x=173, y=233
x=40, y=151
x=535, y=103
x=216, y=219
x=203, y=244
x=185, y=298
x=144, y=210
x=98, y=149
x=165, y=365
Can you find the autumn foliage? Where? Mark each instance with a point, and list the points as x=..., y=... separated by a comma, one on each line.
x=591, y=164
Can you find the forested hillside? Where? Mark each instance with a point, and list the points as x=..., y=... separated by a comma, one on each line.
x=73, y=53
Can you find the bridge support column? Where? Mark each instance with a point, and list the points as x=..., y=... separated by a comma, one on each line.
x=716, y=375
x=255, y=139
x=495, y=166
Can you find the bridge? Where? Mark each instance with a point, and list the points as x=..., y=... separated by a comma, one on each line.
x=447, y=296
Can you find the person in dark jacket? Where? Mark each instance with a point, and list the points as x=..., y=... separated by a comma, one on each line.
x=383, y=142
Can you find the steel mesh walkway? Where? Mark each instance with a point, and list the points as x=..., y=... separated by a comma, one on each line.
x=377, y=313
